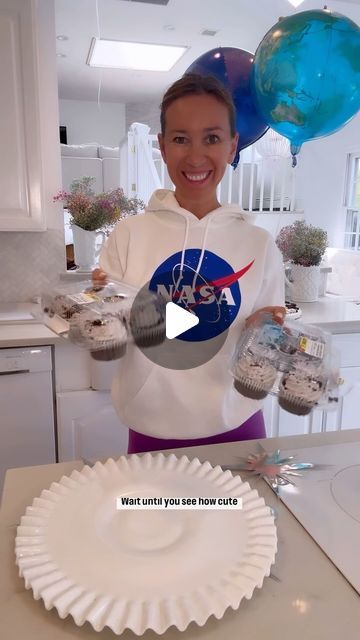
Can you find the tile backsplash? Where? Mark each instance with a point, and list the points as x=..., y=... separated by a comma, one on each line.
x=30, y=262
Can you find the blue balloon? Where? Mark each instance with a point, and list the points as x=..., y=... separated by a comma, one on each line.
x=233, y=68
x=306, y=75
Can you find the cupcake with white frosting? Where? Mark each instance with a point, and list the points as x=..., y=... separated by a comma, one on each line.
x=103, y=334
x=253, y=377
x=300, y=391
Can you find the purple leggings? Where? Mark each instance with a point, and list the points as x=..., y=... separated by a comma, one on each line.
x=252, y=429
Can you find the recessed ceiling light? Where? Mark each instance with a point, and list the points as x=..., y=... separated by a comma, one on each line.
x=296, y=3
x=169, y=27
x=133, y=55
x=61, y=55
x=62, y=38
x=208, y=32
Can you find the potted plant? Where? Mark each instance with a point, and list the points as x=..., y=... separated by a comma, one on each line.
x=303, y=245
x=93, y=215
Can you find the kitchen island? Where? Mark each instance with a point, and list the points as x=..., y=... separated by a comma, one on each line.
x=309, y=597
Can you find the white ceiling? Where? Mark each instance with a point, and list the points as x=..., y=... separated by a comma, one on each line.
x=239, y=23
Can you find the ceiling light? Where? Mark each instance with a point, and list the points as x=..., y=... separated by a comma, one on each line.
x=208, y=32
x=61, y=55
x=62, y=38
x=133, y=55
x=296, y=3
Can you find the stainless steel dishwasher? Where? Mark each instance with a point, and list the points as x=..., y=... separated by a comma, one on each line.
x=27, y=430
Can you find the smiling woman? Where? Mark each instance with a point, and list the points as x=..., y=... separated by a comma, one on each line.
x=212, y=262
x=197, y=140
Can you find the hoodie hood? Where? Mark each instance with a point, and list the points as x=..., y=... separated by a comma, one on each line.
x=163, y=203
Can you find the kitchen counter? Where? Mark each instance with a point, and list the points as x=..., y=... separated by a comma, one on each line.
x=21, y=326
x=309, y=599
x=26, y=335
x=332, y=313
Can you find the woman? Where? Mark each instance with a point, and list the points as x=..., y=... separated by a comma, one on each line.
x=188, y=237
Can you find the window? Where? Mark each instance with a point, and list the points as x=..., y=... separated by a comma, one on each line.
x=352, y=203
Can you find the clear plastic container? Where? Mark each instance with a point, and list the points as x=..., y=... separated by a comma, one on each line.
x=104, y=319
x=294, y=361
x=89, y=316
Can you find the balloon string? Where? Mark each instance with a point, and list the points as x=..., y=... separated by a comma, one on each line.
x=98, y=36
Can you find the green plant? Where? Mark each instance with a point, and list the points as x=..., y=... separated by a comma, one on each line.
x=302, y=243
x=92, y=211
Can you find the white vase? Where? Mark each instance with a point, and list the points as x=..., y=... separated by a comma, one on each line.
x=86, y=247
x=305, y=283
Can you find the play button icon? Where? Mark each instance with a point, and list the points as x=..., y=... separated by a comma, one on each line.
x=187, y=342
x=178, y=320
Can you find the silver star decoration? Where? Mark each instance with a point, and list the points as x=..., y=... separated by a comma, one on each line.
x=274, y=468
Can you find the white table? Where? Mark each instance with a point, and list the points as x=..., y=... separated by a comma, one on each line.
x=312, y=600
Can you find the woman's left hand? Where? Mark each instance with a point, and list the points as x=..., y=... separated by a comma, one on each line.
x=277, y=313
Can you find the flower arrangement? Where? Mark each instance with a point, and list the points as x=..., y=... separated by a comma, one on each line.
x=302, y=243
x=101, y=211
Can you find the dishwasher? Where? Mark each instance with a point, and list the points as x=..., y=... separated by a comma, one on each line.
x=27, y=429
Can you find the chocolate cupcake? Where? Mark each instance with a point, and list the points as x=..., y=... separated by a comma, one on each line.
x=147, y=320
x=253, y=377
x=104, y=335
x=299, y=392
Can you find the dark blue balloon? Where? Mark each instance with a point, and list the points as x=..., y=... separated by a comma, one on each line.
x=307, y=75
x=233, y=68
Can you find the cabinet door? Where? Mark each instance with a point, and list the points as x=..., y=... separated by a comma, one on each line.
x=21, y=206
x=291, y=425
x=88, y=426
x=282, y=423
x=350, y=409
x=347, y=415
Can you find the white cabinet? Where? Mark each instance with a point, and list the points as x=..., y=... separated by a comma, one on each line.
x=25, y=113
x=343, y=415
x=88, y=426
x=282, y=423
x=350, y=404
x=347, y=415
x=27, y=432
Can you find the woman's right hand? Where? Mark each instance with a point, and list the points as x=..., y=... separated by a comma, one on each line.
x=99, y=278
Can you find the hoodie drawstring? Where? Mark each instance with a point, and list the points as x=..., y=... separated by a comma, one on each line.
x=197, y=271
x=187, y=228
x=201, y=257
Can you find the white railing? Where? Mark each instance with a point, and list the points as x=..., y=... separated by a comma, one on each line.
x=257, y=184
x=142, y=176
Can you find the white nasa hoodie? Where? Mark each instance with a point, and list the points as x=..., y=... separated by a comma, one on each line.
x=223, y=247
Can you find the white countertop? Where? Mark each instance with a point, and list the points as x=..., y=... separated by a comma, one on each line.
x=332, y=313
x=21, y=326
x=311, y=598
x=23, y=335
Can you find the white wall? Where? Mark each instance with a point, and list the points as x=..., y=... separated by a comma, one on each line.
x=321, y=179
x=86, y=122
x=144, y=112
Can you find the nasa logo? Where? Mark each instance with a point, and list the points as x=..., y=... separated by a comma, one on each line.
x=212, y=293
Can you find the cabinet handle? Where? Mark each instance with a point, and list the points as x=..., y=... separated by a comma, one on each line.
x=13, y=373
